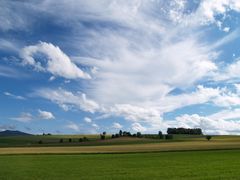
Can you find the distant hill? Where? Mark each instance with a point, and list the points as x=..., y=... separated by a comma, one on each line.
x=13, y=133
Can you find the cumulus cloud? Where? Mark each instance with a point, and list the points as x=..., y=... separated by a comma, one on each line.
x=87, y=120
x=45, y=115
x=14, y=96
x=117, y=125
x=213, y=124
x=72, y=126
x=95, y=126
x=138, y=127
x=53, y=60
x=28, y=117
x=67, y=99
x=230, y=73
x=210, y=9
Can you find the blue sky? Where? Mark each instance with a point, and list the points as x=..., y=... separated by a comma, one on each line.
x=73, y=66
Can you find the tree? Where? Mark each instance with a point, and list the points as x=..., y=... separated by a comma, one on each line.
x=69, y=140
x=160, y=135
x=196, y=131
x=120, y=133
x=61, y=140
x=139, y=134
x=40, y=142
x=85, y=138
x=208, y=137
x=80, y=140
x=102, y=136
x=113, y=136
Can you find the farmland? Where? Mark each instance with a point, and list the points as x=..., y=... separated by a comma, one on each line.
x=162, y=165
x=183, y=157
x=51, y=145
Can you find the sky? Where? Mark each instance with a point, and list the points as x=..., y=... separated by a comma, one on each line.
x=84, y=67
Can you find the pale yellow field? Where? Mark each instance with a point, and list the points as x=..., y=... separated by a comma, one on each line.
x=150, y=147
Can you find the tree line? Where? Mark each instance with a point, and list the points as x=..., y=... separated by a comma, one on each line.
x=194, y=131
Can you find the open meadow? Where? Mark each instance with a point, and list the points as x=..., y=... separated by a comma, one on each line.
x=192, y=165
x=183, y=157
x=51, y=144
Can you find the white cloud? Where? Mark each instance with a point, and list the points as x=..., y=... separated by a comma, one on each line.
x=55, y=61
x=210, y=12
x=14, y=96
x=117, y=125
x=95, y=125
x=136, y=113
x=7, y=45
x=24, y=117
x=52, y=78
x=154, y=47
x=12, y=73
x=227, y=114
x=226, y=29
x=12, y=18
x=213, y=124
x=45, y=114
x=67, y=99
x=138, y=127
x=87, y=120
x=7, y=127
x=72, y=126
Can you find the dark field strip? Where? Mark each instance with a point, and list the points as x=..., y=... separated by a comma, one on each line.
x=148, y=147
x=223, y=164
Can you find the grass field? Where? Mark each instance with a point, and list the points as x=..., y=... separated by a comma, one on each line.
x=164, y=165
x=183, y=157
x=121, y=145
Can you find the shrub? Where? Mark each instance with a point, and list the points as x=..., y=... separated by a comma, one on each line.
x=102, y=136
x=69, y=140
x=40, y=142
x=61, y=140
x=85, y=138
x=208, y=137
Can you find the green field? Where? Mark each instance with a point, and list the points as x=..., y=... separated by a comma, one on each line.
x=164, y=165
x=51, y=145
x=183, y=157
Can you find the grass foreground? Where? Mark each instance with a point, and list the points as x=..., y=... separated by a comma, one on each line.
x=162, y=165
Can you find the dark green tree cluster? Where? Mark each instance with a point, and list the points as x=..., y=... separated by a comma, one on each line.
x=154, y=136
x=126, y=134
x=196, y=131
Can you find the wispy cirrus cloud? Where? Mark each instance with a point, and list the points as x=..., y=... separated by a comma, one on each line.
x=14, y=96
